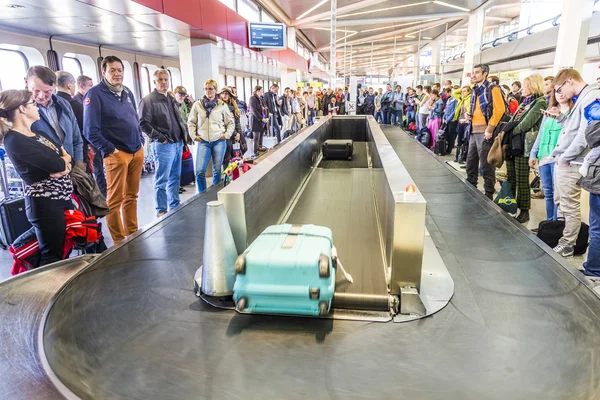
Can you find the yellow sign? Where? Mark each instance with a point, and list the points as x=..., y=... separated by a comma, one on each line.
x=301, y=84
x=316, y=84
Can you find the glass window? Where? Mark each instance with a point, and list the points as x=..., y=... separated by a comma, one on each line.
x=248, y=10
x=128, y=76
x=221, y=81
x=72, y=65
x=144, y=81
x=175, y=77
x=229, y=3
x=265, y=17
x=239, y=84
x=247, y=89
x=13, y=68
x=230, y=80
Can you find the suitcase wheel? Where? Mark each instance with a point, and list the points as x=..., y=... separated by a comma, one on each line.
x=349, y=158
x=241, y=304
x=323, y=308
x=240, y=264
x=323, y=266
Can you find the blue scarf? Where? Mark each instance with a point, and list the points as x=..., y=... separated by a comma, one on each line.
x=481, y=92
x=209, y=105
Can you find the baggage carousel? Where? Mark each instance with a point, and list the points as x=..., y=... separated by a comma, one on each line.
x=127, y=324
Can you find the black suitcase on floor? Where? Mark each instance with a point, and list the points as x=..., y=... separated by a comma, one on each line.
x=338, y=149
x=188, y=175
x=441, y=145
x=550, y=233
x=13, y=220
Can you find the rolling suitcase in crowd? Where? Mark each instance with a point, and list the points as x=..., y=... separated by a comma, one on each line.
x=338, y=149
x=188, y=174
x=441, y=143
x=550, y=233
x=412, y=127
x=288, y=269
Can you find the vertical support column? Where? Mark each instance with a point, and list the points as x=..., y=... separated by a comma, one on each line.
x=332, y=48
x=199, y=62
x=573, y=34
x=291, y=38
x=473, y=46
x=436, y=58
x=288, y=79
x=442, y=54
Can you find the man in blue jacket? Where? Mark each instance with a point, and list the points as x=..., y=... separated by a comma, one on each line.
x=57, y=121
x=111, y=124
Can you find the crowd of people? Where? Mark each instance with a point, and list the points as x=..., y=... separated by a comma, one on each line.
x=61, y=122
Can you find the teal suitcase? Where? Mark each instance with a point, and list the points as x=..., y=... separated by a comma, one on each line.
x=288, y=269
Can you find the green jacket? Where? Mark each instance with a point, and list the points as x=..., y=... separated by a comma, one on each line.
x=184, y=111
x=530, y=121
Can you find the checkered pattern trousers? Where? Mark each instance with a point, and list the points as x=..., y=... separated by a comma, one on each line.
x=517, y=170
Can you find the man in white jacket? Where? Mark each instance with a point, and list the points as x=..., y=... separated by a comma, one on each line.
x=569, y=153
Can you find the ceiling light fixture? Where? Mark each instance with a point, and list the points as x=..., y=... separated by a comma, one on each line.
x=441, y=3
x=90, y=26
x=401, y=25
x=383, y=9
x=137, y=37
x=313, y=8
x=14, y=6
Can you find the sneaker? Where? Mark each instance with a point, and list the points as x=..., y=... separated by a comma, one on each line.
x=160, y=214
x=564, y=251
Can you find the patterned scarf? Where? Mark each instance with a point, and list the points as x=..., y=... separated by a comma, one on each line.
x=524, y=103
x=209, y=105
x=480, y=91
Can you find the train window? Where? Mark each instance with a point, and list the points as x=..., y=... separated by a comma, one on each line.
x=80, y=64
x=72, y=65
x=145, y=81
x=249, y=10
x=175, y=77
x=13, y=69
x=229, y=3
x=128, y=75
x=221, y=81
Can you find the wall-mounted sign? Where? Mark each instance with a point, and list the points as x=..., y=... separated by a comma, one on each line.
x=266, y=36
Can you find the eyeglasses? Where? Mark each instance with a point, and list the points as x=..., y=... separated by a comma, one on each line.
x=209, y=89
x=560, y=87
x=30, y=103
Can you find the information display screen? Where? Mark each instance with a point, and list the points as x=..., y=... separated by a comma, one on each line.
x=269, y=36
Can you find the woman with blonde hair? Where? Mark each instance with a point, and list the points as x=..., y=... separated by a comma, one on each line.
x=210, y=124
x=43, y=165
x=528, y=118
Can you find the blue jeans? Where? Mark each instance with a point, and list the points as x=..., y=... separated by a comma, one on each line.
x=547, y=178
x=168, y=174
x=275, y=129
x=378, y=116
x=386, y=113
x=311, y=116
x=592, y=266
x=410, y=117
x=396, y=117
x=204, y=152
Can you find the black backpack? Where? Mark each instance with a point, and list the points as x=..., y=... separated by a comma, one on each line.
x=425, y=137
x=550, y=233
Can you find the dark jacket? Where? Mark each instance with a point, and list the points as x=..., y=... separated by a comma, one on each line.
x=68, y=122
x=85, y=186
x=229, y=152
x=529, y=123
x=286, y=108
x=256, y=111
x=272, y=106
x=591, y=182
x=326, y=102
x=370, y=103
x=111, y=123
x=77, y=108
x=157, y=112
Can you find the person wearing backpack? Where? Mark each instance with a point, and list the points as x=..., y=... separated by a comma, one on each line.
x=529, y=116
x=487, y=110
x=569, y=153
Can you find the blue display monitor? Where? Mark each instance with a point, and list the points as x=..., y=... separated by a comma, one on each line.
x=266, y=36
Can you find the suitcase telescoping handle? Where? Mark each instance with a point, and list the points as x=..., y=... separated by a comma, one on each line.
x=338, y=264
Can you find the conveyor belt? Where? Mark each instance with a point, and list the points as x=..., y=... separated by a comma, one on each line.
x=342, y=200
x=520, y=325
x=359, y=159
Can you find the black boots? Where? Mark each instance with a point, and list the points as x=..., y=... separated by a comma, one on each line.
x=523, y=216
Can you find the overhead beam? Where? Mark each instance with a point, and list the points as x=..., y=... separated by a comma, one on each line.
x=374, y=21
x=341, y=11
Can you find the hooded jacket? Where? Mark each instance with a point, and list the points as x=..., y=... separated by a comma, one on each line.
x=210, y=128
